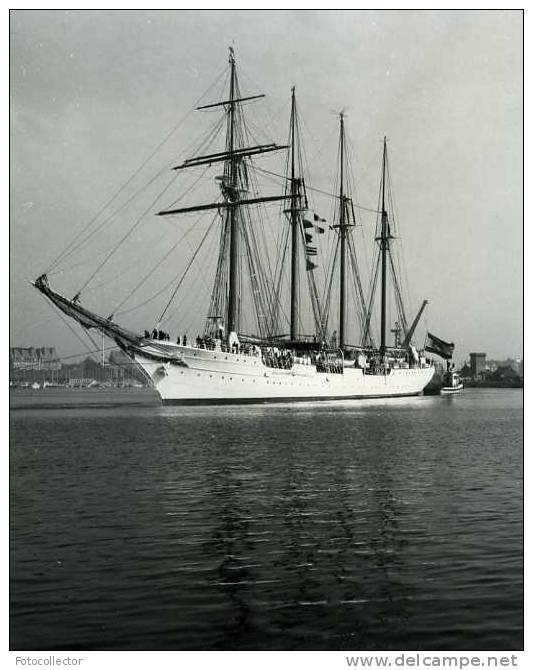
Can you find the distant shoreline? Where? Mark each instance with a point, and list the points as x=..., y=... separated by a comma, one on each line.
x=494, y=384
x=71, y=398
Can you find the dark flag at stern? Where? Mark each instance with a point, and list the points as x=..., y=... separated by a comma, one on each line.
x=439, y=347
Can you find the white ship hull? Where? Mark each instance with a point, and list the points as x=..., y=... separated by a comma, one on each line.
x=195, y=376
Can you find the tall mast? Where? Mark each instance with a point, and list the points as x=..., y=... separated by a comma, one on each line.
x=342, y=230
x=232, y=213
x=384, y=239
x=233, y=185
x=294, y=226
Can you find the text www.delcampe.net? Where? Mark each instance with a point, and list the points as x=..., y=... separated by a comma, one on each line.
x=429, y=661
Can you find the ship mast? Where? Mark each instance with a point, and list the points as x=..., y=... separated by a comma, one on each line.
x=342, y=231
x=294, y=226
x=233, y=213
x=384, y=242
x=233, y=184
x=343, y=226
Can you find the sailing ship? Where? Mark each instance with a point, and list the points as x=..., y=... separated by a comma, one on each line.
x=227, y=364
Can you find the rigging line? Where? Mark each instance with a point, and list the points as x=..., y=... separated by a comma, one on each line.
x=187, y=318
x=400, y=251
x=136, y=172
x=370, y=315
x=216, y=299
x=351, y=158
x=303, y=169
x=111, y=216
x=156, y=266
x=60, y=271
x=125, y=366
x=191, y=187
x=369, y=170
x=271, y=276
x=91, y=351
x=319, y=149
x=365, y=252
x=277, y=277
x=254, y=273
x=270, y=130
x=131, y=267
x=281, y=249
x=205, y=141
x=333, y=243
x=26, y=325
x=260, y=211
x=399, y=300
x=313, y=291
x=264, y=228
x=376, y=264
x=266, y=279
x=327, y=301
x=89, y=336
x=252, y=128
x=152, y=297
x=187, y=269
x=358, y=286
x=207, y=263
x=130, y=231
x=112, y=279
x=281, y=242
x=318, y=190
x=98, y=349
x=105, y=282
x=70, y=327
x=281, y=254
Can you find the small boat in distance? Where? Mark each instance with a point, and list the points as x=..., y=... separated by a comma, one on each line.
x=451, y=382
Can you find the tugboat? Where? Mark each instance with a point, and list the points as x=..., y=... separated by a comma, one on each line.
x=451, y=382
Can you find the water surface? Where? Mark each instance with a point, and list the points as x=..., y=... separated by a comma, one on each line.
x=367, y=525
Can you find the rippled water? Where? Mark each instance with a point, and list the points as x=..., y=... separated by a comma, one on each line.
x=377, y=525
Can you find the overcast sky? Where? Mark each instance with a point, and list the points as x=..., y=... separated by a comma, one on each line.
x=93, y=92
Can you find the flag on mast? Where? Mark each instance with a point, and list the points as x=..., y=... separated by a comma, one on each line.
x=439, y=347
x=311, y=220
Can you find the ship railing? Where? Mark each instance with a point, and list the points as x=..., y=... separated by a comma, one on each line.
x=277, y=361
x=213, y=345
x=332, y=362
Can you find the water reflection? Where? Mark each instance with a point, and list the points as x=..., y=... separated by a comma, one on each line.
x=301, y=531
x=390, y=525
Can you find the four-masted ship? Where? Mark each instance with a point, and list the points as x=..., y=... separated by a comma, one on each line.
x=226, y=364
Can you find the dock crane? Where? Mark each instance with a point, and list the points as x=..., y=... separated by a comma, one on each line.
x=411, y=331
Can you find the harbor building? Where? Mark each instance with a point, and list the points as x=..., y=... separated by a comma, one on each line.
x=33, y=363
x=42, y=367
x=478, y=364
x=118, y=370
